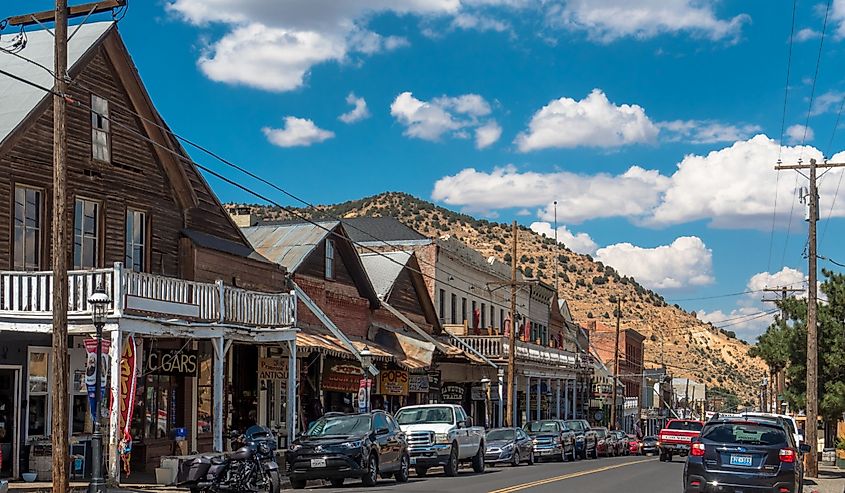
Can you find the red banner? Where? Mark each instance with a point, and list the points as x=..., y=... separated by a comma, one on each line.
x=128, y=381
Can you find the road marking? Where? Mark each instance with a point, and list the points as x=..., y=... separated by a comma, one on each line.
x=524, y=486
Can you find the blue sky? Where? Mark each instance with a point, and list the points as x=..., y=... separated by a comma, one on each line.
x=500, y=107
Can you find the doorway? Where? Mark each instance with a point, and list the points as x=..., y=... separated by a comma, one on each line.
x=9, y=421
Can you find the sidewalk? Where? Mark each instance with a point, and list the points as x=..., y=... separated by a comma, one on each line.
x=831, y=480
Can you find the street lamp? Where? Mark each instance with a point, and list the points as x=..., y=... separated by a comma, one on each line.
x=485, y=388
x=99, y=302
x=366, y=363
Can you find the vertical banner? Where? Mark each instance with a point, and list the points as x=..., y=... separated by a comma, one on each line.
x=91, y=371
x=128, y=382
x=364, y=395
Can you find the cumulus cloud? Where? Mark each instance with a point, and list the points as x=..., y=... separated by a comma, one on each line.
x=798, y=134
x=609, y=20
x=297, y=132
x=591, y=122
x=827, y=102
x=806, y=34
x=785, y=278
x=837, y=15
x=577, y=242
x=358, y=112
x=706, y=131
x=580, y=197
x=430, y=120
x=685, y=262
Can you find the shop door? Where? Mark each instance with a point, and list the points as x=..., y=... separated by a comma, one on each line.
x=9, y=420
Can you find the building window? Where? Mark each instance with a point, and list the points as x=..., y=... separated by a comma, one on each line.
x=329, y=259
x=483, y=315
x=502, y=320
x=136, y=240
x=38, y=388
x=453, y=315
x=205, y=389
x=492, y=316
x=27, y=229
x=463, y=310
x=474, y=322
x=86, y=234
x=442, y=312
x=100, y=129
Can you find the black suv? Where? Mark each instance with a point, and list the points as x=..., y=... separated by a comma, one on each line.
x=744, y=454
x=585, y=438
x=340, y=446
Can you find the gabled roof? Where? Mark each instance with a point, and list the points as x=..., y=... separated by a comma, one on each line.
x=383, y=269
x=18, y=100
x=376, y=230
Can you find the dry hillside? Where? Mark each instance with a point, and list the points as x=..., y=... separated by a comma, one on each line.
x=674, y=337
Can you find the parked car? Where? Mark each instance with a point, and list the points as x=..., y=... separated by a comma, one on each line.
x=604, y=445
x=744, y=454
x=676, y=437
x=552, y=439
x=633, y=445
x=508, y=445
x=341, y=446
x=787, y=421
x=621, y=442
x=649, y=446
x=585, y=438
x=442, y=435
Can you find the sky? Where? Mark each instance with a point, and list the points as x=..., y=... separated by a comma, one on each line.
x=654, y=124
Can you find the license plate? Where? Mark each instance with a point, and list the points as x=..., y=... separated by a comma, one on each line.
x=740, y=460
x=544, y=452
x=413, y=460
x=318, y=462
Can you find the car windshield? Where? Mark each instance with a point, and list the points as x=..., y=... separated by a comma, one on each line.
x=685, y=425
x=353, y=424
x=650, y=439
x=575, y=425
x=500, y=435
x=600, y=432
x=424, y=415
x=744, y=433
x=540, y=427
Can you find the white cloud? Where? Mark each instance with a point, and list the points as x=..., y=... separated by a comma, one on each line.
x=591, y=122
x=786, y=277
x=479, y=23
x=358, y=112
x=296, y=132
x=454, y=115
x=685, y=262
x=577, y=242
x=799, y=134
x=609, y=20
x=829, y=101
x=706, y=131
x=487, y=134
x=806, y=34
x=580, y=197
x=837, y=15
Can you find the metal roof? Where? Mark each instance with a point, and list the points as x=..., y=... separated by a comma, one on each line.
x=383, y=269
x=287, y=244
x=379, y=230
x=17, y=100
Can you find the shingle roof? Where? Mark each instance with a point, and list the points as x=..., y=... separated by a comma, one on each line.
x=383, y=269
x=287, y=244
x=17, y=99
x=377, y=229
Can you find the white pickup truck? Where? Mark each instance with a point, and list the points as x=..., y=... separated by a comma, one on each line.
x=441, y=435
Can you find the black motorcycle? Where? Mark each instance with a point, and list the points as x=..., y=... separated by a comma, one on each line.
x=251, y=467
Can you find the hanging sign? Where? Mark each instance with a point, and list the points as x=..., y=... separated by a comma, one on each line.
x=364, y=395
x=128, y=382
x=340, y=376
x=452, y=392
x=434, y=380
x=393, y=382
x=91, y=371
x=272, y=368
x=418, y=383
x=477, y=393
x=173, y=362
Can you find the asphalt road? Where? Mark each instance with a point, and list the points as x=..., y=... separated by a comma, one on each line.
x=616, y=475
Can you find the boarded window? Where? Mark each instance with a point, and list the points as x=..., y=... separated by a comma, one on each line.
x=136, y=240
x=100, y=148
x=86, y=234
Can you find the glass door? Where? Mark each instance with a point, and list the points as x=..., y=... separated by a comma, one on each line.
x=9, y=421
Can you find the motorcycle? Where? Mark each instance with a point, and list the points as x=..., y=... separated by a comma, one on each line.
x=251, y=467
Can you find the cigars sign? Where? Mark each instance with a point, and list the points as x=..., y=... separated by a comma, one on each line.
x=174, y=362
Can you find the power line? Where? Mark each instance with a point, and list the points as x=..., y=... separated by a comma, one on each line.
x=728, y=295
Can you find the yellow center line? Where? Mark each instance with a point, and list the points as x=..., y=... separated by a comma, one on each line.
x=524, y=486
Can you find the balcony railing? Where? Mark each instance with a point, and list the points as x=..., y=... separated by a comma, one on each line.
x=497, y=347
x=29, y=295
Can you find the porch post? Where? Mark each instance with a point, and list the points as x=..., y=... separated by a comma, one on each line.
x=114, y=412
x=527, y=398
x=291, y=415
x=501, y=398
x=515, y=392
x=217, y=381
x=539, y=398
x=557, y=400
x=574, y=396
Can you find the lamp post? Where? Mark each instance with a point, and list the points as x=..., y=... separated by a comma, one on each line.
x=366, y=363
x=485, y=388
x=99, y=302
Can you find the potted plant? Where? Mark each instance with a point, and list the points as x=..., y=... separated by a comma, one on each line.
x=840, y=452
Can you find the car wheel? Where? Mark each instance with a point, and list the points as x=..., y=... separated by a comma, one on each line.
x=451, y=467
x=297, y=484
x=478, y=460
x=371, y=474
x=337, y=483
x=421, y=471
x=574, y=455
x=515, y=458
x=531, y=458
x=404, y=470
x=275, y=482
x=596, y=452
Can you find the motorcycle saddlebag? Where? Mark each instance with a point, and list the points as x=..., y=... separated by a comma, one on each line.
x=193, y=471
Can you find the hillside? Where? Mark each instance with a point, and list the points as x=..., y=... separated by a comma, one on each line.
x=687, y=346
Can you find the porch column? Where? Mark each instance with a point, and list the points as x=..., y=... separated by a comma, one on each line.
x=291, y=414
x=574, y=396
x=557, y=400
x=549, y=390
x=514, y=410
x=565, y=384
x=217, y=381
x=114, y=412
x=527, y=398
x=501, y=398
x=539, y=398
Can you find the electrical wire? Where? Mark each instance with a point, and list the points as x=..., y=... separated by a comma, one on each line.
x=739, y=293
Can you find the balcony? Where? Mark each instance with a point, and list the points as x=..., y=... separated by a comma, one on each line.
x=496, y=349
x=29, y=296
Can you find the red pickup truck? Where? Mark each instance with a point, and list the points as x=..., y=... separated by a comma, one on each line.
x=676, y=437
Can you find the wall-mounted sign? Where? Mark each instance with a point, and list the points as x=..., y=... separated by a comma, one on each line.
x=477, y=393
x=434, y=380
x=393, y=382
x=174, y=362
x=418, y=383
x=272, y=368
x=341, y=376
x=452, y=392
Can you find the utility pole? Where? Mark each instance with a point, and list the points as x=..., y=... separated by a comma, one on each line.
x=614, y=392
x=60, y=244
x=557, y=256
x=512, y=335
x=812, y=406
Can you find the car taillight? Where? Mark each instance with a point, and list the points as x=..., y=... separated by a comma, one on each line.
x=697, y=450
x=787, y=455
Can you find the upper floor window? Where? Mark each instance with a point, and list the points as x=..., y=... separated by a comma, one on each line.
x=442, y=312
x=329, y=259
x=27, y=229
x=453, y=314
x=86, y=234
x=100, y=144
x=136, y=240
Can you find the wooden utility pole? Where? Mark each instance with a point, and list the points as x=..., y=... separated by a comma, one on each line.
x=512, y=335
x=60, y=240
x=812, y=405
x=613, y=424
